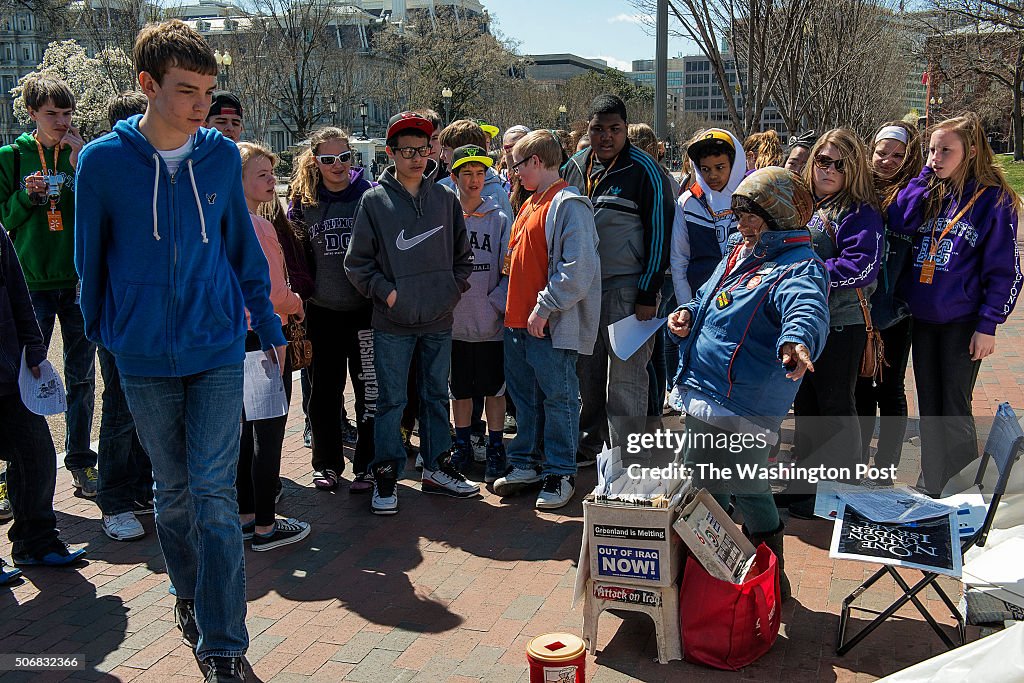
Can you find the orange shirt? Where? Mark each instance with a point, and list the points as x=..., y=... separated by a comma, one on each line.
x=528, y=269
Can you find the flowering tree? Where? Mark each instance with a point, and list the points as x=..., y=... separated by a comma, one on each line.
x=93, y=80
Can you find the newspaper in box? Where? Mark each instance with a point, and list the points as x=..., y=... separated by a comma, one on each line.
x=714, y=539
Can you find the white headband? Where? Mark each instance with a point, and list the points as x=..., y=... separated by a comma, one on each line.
x=893, y=133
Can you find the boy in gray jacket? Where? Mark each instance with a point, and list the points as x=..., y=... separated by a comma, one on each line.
x=478, y=356
x=410, y=255
x=551, y=317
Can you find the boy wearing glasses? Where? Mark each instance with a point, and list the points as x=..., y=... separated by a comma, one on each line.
x=551, y=317
x=410, y=255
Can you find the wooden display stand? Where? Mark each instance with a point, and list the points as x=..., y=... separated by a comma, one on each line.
x=660, y=603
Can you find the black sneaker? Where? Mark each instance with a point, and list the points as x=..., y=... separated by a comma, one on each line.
x=461, y=458
x=285, y=531
x=185, y=620
x=384, y=500
x=349, y=433
x=496, y=463
x=585, y=459
x=57, y=554
x=144, y=507
x=227, y=670
x=307, y=435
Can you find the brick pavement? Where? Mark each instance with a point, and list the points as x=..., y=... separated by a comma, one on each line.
x=447, y=590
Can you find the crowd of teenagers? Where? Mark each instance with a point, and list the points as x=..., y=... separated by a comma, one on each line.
x=468, y=292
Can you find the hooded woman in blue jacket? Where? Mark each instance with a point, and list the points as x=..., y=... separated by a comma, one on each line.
x=751, y=332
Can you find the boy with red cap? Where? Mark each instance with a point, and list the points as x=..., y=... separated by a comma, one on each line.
x=410, y=255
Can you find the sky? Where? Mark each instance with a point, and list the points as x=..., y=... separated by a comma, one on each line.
x=612, y=30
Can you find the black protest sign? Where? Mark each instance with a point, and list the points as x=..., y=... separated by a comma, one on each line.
x=930, y=544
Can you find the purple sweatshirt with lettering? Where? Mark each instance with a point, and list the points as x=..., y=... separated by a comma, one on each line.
x=977, y=264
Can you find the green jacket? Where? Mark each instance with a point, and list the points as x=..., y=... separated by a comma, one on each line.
x=48, y=258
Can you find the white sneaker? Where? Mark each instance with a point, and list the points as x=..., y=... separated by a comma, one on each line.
x=384, y=500
x=448, y=481
x=123, y=527
x=557, y=491
x=515, y=481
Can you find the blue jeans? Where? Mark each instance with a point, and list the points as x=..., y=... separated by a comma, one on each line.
x=125, y=475
x=542, y=382
x=392, y=357
x=79, y=370
x=191, y=432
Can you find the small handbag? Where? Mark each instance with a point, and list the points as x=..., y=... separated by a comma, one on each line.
x=300, y=349
x=873, y=359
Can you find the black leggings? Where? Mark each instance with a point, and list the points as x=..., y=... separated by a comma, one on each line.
x=259, y=455
x=889, y=397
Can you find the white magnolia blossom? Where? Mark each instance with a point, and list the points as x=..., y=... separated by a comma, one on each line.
x=93, y=80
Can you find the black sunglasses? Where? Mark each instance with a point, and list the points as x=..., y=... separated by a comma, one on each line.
x=331, y=159
x=823, y=162
x=410, y=152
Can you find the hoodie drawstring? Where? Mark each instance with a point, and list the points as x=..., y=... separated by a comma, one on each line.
x=199, y=204
x=156, y=188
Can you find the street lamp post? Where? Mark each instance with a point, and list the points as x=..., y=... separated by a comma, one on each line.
x=562, y=116
x=364, y=110
x=446, y=97
x=223, y=68
x=332, y=105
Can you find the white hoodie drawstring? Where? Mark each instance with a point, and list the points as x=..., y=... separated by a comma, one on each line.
x=199, y=204
x=156, y=188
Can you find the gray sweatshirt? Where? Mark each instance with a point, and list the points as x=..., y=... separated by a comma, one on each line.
x=416, y=246
x=571, y=300
x=480, y=315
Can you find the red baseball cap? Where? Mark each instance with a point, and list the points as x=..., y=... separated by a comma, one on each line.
x=409, y=120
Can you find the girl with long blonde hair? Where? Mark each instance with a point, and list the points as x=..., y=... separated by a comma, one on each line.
x=965, y=277
x=326, y=189
x=846, y=230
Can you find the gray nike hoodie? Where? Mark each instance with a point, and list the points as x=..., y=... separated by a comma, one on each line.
x=416, y=246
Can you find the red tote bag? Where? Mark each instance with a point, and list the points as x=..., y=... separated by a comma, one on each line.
x=726, y=625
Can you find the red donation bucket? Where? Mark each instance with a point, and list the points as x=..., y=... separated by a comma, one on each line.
x=557, y=658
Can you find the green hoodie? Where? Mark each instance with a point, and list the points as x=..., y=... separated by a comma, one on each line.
x=48, y=258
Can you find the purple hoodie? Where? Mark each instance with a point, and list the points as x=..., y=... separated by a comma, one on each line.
x=977, y=265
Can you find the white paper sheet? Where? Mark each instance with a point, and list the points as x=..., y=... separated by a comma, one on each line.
x=897, y=505
x=263, y=394
x=627, y=335
x=43, y=396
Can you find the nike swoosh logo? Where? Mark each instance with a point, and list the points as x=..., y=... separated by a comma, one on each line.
x=406, y=244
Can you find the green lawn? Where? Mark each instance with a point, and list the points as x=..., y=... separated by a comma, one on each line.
x=1014, y=172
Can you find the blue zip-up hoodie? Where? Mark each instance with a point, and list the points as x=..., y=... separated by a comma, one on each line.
x=774, y=296
x=977, y=264
x=168, y=263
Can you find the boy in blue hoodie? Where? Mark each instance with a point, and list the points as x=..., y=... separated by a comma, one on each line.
x=169, y=264
x=478, y=354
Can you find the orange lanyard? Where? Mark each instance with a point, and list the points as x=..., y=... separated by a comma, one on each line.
x=933, y=248
x=42, y=158
x=592, y=183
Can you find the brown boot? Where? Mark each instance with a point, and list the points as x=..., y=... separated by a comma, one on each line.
x=774, y=542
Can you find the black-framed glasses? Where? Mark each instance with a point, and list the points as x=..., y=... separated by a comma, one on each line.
x=410, y=152
x=823, y=162
x=331, y=159
x=514, y=168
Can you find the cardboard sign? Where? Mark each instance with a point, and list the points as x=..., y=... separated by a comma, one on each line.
x=634, y=563
x=631, y=532
x=627, y=594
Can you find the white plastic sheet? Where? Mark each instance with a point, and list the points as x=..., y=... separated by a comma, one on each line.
x=998, y=658
x=43, y=395
x=627, y=335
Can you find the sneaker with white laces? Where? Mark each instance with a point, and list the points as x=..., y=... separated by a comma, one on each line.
x=226, y=670
x=123, y=527
x=515, y=480
x=85, y=480
x=384, y=500
x=285, y=531
x=556, y=492
x=448, y=481
x=6, y=512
